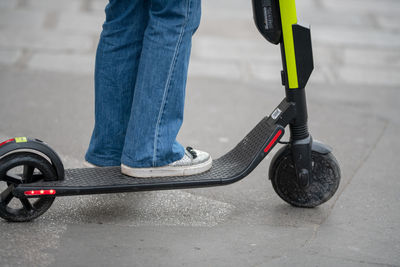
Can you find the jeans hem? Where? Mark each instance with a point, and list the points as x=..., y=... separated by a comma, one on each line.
x=167, y=88
x=146, y=164
x=101, y=162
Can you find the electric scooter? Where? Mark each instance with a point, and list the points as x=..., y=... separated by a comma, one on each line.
x=304, y=172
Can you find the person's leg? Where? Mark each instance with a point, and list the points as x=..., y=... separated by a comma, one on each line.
x=117, y=61
x=158, y=102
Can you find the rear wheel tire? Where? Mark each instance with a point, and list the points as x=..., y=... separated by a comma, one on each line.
x=21, y=168
x=323, y=185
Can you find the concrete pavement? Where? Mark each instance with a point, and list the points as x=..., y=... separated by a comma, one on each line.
x=46, y=66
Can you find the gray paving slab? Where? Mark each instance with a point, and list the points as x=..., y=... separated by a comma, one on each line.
x=62, y=62
x=389, y=22
x=360, y=37
x=369, y=76
x=8, y=4
x=49, y=5
x=12, y=19
x=80, y=22
x=375, y=58
x=358, y=7
x=204, y=247
x=44, y=40
x=9, y=56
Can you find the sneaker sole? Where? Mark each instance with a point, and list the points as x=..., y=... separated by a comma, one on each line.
x=166, y=171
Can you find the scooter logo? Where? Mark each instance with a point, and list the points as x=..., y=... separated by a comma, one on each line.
x=267, y=10
x=21, y=139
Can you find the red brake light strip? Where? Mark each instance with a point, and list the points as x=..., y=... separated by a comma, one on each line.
x=40, y=192
x=8, y=141
x=273, y=141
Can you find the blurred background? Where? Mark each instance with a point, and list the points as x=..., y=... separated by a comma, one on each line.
x=47, y=50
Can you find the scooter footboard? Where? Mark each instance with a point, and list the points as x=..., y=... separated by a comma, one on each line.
x=233, y=166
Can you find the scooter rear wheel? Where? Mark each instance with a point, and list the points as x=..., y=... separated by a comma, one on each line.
x=323, y=185
x=19, y=168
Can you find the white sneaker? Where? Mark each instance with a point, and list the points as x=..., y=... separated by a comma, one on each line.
x=193, y=162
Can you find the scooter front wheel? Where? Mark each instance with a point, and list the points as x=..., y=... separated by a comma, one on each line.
x=323, y=185
x=20, y=168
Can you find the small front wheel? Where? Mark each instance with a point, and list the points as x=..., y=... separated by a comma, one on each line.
x=20, y=168
x=323, y=185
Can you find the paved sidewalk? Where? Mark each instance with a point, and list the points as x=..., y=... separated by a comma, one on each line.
x=46, y=82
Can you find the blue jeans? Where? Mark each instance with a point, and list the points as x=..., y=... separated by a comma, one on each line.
x=140, y=78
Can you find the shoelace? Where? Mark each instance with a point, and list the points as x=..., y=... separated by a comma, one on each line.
x=192, y=152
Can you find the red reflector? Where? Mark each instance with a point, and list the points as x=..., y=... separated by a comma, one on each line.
x=8, y=141
x=40, y=192
x=273, y=141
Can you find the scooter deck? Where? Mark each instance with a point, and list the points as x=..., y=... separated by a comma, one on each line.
x=229, y=168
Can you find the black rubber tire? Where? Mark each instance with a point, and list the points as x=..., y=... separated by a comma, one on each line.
x=40, y=205
x=324, y=184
